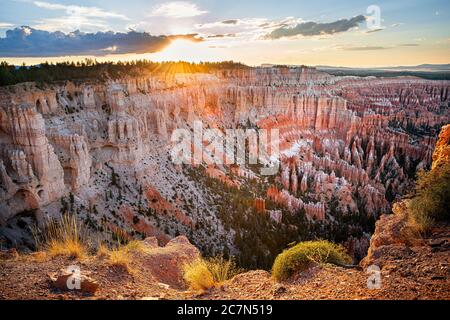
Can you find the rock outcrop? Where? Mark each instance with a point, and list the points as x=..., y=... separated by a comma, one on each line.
x=31, y=174
x=165, y=264
x=395, y=234
x=441, y=154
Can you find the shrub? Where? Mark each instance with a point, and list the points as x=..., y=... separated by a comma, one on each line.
x=222, y=269
x=64, y=236
x=197, y=275
x=432, y=198
x=302, y=255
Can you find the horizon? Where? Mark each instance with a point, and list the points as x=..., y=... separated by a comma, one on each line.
x=262, y=65
x=357, y=34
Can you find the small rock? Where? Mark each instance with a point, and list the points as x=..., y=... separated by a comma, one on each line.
x=151, y=242
x=10, y=254
x=436, y=242
x=60, y=281
x=163, y=285
x=280, y=290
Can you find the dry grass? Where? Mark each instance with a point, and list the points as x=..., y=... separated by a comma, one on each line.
x=70, y=248
x=121, y=256
x=197, y=275
x=63, y=237
x=203, y=274
x=67, y=237
x=134, y=246
x=413, y=230
x=39, y=256
x=102, y=251
x=222, y=269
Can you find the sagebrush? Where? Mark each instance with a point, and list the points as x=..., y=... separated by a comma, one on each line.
x=301, y=256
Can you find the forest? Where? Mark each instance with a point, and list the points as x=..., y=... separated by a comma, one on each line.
x=89, y=69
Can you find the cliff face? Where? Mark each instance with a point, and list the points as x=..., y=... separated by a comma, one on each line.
x=441, y=154
x=395, y=234
x=32, y=176
x=352, y=142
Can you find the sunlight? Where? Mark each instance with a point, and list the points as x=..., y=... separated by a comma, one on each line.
x=186, y=50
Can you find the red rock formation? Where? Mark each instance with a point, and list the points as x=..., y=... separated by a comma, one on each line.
x=260, y=205
x=442, y=152
x=354, y=140
x=36, y=176
x=162, y=206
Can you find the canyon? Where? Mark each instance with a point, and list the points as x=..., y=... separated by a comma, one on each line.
x=349, y=147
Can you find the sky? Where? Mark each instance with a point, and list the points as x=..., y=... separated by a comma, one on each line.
x=354, y=33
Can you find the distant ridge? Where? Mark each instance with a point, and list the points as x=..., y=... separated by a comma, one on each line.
x=421, y=67
x=425, y=71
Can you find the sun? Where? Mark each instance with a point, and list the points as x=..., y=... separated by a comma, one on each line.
x=186, y=50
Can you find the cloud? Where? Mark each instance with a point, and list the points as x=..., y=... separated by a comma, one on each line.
x=364, y=48
x=29, y=42
x=74, y=10
x=70, y=23
x=76, y=18
x=409, y=45
x=177, y=9
x=218, y=36
x=4, y=25
x=246, y=28
x=231, y=21
x=375, y=30
x=311, y=28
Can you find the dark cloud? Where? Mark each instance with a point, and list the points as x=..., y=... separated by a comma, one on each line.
x=409, y=45
x=374, y=30
x=367, y=48
x=29, y=42
x=314, y=29
x=217, y=36
x=231, y=21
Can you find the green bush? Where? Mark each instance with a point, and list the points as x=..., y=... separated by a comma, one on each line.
x=302, y=255
x=431, y=202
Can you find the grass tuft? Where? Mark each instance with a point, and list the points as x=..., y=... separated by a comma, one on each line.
x=203, y=274
x=121, y=256
x=63, y=237
x=222, y=269
x=197, y=275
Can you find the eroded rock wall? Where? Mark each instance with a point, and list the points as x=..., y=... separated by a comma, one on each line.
x=347, y=144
